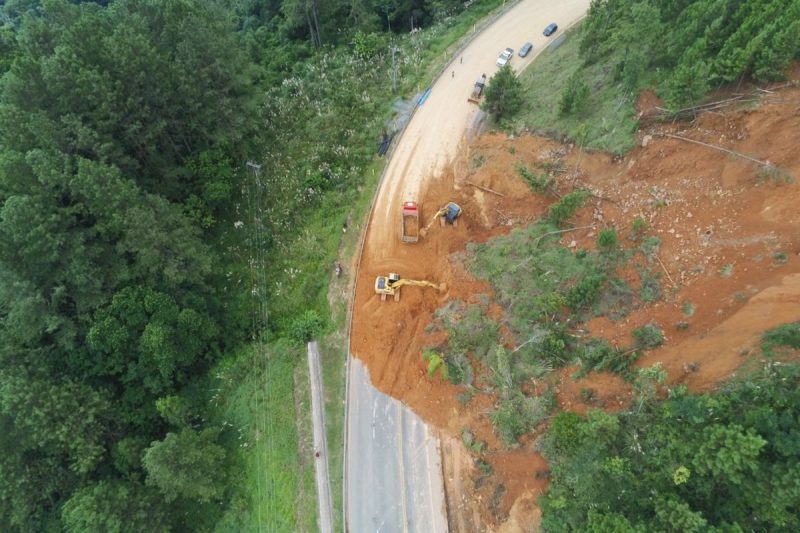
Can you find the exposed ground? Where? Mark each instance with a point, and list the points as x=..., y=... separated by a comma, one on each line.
x=730, y=238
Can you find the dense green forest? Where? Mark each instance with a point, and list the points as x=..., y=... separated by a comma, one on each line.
x=727, y=461
x=691, y=46
x=153, y=290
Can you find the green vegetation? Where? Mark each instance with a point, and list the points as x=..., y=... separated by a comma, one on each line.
x=681, y=50
x=607, y=239
x=545, y=290
x=605, y=120
x=648, y=336
x=503, y=94
x=141, y=261
x=566, y=207
x=786, y=336
x=725, y=461
x=539, y=183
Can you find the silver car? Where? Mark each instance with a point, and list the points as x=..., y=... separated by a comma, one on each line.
x=505, y=57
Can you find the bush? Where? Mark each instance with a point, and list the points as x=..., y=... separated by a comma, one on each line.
x=585, y=292
x=649, y=286
x=607, y=239
x=786, y=335
x=540, y=184
x=648, y=336
x=519, y=414
x=598, y=355
x=435, y=362
x=563, y=210
x=638, y=227
x=306, y=327
x=575, y=95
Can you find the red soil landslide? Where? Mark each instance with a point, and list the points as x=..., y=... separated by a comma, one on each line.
x=730, y=238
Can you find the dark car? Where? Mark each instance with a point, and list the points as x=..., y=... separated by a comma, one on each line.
x=550, y=29
x=526, y=48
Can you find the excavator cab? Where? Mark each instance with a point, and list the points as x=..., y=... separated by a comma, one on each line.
x=451, y=212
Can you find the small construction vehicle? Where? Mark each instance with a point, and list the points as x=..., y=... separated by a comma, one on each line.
x=477, y=90
x=409, y=229
x=390, y=286
x=447, y=214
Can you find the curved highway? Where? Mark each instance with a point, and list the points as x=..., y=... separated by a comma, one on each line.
x=393, y=477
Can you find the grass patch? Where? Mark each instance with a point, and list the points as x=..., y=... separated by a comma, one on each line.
x=255, y=406
x=785, y=336
x=604, y=120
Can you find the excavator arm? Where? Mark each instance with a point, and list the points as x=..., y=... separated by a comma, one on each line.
x=415, y=283
x=436, y=216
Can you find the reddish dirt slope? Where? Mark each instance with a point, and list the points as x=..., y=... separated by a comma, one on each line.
x=730, y=244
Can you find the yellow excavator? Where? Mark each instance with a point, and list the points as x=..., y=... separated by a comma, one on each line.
x=448, y=214
x=390, y=285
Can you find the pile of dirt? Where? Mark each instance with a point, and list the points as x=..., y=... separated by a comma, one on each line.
x=730, y=236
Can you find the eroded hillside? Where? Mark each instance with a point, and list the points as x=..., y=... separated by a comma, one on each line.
x=722, y=266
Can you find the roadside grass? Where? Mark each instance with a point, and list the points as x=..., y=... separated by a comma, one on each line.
x=606, y=121
x=278, y=491
x=255, y=403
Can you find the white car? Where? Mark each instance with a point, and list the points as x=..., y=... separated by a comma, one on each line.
x=505, y=57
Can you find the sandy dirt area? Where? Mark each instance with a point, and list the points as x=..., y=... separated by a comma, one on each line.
x=730, y=239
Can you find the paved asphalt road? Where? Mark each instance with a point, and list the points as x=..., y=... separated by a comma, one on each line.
x=320, y=443
x=394, y=479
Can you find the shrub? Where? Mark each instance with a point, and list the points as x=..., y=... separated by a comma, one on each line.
x=306, y=326
x=519, y=414
x=563, y=210
x=648, y=336
x=786, y=335
x=435, y=362
x=598, y=355
x=539, y=184
x=575, y=95
x=607, y=239
x=638, y=227
x=585, y=292
x=649, y=286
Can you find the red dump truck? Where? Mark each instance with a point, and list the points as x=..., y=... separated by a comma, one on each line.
x=410, y=222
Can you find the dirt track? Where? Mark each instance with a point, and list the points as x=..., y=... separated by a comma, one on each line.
x=710, y=211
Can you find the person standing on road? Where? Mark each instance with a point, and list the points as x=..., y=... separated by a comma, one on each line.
x=454, y=74
x=462, y=60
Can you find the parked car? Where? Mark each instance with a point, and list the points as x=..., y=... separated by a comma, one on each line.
x=505, y=57
x=550, y=29
x=525, y=50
